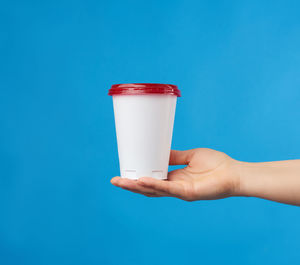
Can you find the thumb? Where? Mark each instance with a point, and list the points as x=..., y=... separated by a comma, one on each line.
x=181, y=157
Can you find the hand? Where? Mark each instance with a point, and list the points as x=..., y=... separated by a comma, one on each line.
x=209, y=174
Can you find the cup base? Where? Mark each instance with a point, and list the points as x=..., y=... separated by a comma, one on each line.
x=133, y=174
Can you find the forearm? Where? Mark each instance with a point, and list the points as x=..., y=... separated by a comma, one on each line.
x=277, y=181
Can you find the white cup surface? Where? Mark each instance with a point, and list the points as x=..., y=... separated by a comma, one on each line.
x=144, y=126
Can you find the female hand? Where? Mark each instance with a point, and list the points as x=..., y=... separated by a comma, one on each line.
x=209, y=174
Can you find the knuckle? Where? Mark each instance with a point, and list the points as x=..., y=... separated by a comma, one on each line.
x=190, y=193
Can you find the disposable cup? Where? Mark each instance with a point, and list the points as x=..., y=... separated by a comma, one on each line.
x=144, y=118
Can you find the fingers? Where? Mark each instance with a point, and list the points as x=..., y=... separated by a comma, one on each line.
x=134, y=186
x=151, y=187
x=181, y=157
x=169, y=188
x=115, y=180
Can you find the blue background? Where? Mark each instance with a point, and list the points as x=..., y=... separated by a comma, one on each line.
x=237, y=64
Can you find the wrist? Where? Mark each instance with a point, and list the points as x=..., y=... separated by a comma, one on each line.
x=240, y=172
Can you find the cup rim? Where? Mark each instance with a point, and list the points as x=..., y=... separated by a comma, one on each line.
x=144, y=88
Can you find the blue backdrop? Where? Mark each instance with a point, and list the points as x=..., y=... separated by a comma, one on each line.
x=237, y=64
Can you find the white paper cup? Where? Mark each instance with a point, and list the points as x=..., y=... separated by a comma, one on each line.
x=144, y=118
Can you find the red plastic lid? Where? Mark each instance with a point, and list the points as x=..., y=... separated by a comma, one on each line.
x=144, y=88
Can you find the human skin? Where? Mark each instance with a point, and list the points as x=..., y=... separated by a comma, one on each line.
x=211, y=174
